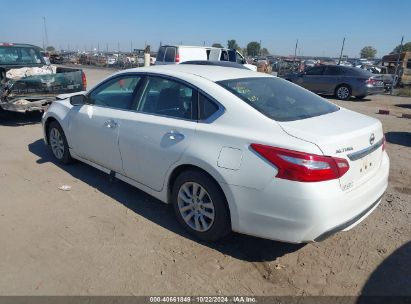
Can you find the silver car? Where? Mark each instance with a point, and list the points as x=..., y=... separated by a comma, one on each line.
x=340, y=81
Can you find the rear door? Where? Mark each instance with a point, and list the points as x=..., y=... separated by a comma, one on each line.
x=157, y=133
x=333, y=76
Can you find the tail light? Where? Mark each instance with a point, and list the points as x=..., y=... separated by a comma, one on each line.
x=384, y=143
x=177, y=56
x=303, y=167
x=372, y=81
x=84, y=80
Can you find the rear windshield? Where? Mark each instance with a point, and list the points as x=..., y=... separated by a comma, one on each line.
x=13, y=55
x=278, y=98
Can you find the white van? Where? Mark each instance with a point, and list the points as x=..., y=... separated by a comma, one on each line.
x=174, y=54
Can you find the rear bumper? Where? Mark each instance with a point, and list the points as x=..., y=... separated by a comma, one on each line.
x=305, y=212
x=369, y=90
x=23, y=105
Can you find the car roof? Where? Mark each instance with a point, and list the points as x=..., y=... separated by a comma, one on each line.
x=216, y=63
x=11, y=44
x=210, y=72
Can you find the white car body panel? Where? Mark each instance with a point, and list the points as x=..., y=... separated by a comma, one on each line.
x=144, y=150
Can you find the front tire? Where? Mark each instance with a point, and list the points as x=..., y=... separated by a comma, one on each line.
x=200, y=206
x=343, y=92
x=58, y=143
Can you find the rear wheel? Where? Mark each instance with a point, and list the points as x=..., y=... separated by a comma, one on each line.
x=58, y=143
x=200, y=206
x=343, y=92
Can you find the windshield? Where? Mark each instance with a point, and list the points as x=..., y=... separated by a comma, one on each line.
x=25, y=55
x=278, y=98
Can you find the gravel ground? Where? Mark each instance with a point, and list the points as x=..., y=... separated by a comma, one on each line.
x=104, y=238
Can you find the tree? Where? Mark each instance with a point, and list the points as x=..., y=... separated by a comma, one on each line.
x=368, y=52
x=232, y=44
x=253, y=48
x=405, y=48
x=264, y=52
x=217, y=45
x=244, y=51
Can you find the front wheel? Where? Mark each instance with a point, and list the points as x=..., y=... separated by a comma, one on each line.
x=58, y=143
x=343, y=92
x=200, y=206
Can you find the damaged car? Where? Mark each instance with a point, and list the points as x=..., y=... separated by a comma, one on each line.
x=28, y=84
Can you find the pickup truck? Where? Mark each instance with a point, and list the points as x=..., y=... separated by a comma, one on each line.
x=27, y=83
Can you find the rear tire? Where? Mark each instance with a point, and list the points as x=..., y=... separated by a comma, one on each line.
x=343, y=92
x=200, y=206
x=58, y=143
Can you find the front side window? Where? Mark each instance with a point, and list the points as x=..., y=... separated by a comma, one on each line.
x=116, y=93
x=167, y=97
x=278, y=99
x=170, y=54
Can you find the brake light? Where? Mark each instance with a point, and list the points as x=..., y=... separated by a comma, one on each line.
x=372, y=81
x=84, y=80
x=384, y=142
x=303, y=167
x=177, y=56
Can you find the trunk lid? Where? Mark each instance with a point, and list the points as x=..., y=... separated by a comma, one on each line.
x=344, y=134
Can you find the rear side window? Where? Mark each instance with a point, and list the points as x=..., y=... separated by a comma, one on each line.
x=160, y=55
x=170, y=54
x=278, y=99
x=333, y=70
x=206, y=107
x=167, y=98
x=315, y=71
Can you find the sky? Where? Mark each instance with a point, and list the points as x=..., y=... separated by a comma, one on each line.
x=319, y=25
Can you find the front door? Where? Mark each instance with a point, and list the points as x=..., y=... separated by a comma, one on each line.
x=94, y=127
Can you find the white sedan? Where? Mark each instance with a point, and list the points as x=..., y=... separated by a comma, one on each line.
x=230, y=149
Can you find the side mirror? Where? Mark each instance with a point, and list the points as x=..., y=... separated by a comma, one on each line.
x=78, y=100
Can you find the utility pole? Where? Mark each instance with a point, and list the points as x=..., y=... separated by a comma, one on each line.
x=131, y=47
x=342, y=49
x=396, y=76
x=295, y=53
x=45, y=32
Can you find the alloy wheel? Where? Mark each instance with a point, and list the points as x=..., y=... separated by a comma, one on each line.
x=56, y=143
x=195, y=206
x=343, y=92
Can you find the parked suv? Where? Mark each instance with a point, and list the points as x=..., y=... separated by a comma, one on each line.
x=340, y=81
x=175, y=54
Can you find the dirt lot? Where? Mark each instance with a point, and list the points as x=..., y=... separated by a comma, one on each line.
x=105, y=238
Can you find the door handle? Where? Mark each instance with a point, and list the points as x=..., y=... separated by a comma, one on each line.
x=111, y=124
x=173, y=135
